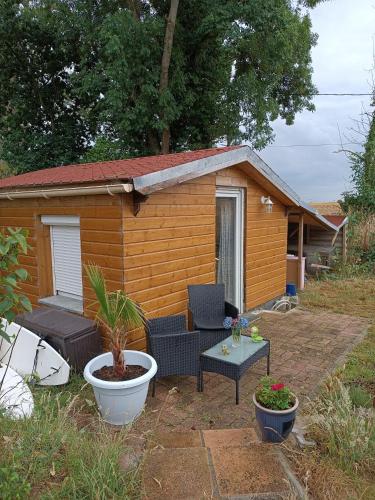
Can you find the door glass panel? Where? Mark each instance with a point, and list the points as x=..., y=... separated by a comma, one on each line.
x=226, y=246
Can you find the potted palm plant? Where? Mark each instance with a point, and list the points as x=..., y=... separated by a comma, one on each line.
x=275, y=409
x=119, y=378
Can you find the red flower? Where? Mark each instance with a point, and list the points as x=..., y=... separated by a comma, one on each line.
x=277, y=387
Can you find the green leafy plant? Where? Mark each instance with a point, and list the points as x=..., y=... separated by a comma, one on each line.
x=274, y=395
x=117, y=313
x=13, y=243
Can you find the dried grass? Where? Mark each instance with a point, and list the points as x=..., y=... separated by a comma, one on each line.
x=321, y=478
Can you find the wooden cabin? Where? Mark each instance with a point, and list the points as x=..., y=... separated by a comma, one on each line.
x=322, y=244
x=155, y=225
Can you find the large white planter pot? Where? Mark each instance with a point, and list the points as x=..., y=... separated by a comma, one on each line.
x=121, y=402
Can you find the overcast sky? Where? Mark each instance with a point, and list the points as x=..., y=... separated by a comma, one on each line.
x=342, y=61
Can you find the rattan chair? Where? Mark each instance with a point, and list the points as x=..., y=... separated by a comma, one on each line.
x=175, y=349
x=207, y=310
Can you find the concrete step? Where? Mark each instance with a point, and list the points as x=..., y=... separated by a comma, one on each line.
x=228, y=463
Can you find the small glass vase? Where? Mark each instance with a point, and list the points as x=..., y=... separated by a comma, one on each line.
x=236, y=337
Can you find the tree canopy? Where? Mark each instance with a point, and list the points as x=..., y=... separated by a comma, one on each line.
x=81, y=79
x=362, y=197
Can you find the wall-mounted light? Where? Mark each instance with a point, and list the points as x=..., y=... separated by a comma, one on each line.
x=268, y=204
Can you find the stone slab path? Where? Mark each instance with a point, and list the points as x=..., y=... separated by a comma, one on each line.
x=305, y=347
x=230, y=464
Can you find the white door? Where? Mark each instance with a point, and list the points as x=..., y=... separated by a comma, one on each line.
x=229, y=243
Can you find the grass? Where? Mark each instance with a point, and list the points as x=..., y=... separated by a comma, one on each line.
x=64, y=450
x=348, y=296
x=342, y=418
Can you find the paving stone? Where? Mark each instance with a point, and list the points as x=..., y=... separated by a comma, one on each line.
x=177, y=474
x=181, y=439
x=134, y=449
x=248, y=471
x=229, y=437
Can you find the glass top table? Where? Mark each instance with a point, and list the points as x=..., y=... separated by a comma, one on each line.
x=234, y=363
x=237, y=355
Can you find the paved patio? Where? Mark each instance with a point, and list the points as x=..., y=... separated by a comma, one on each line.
x=305, y=347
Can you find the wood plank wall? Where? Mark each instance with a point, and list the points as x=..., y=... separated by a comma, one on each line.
x=101, y=237
x=168, y=245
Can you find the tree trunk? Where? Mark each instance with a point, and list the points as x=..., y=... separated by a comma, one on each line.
x=153, y=142
x=119, y=366
x=165, y=62
x=134, y=7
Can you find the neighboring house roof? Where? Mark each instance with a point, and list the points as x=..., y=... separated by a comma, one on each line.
x=332, y=211
x=328, y=207
x=152, y=173
x=337, y=220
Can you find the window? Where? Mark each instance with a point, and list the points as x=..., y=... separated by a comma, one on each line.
x=66, y=261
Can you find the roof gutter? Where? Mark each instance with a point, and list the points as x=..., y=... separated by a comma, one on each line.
x=110, y=189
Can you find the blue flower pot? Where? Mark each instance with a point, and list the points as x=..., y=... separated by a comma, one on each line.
x=275, y=425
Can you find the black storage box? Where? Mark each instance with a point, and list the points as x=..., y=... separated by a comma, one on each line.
x=76, y=338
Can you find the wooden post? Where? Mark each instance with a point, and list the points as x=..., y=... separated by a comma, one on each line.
x=300, y=251
x=344, y=243
x=44, y=261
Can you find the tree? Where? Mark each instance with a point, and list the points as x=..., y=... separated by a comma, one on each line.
x=359, y=203
x=147, y=76
x=165, y=63
x=362, y=197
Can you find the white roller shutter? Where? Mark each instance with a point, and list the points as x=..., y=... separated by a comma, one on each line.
x=66, y=254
